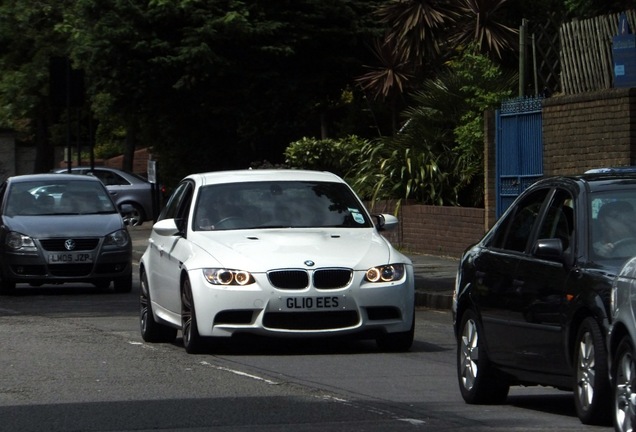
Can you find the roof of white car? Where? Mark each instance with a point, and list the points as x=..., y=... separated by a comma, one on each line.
x=263, y=175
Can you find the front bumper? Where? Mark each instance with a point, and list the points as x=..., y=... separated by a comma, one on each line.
x=34, y=267
x=260, y=308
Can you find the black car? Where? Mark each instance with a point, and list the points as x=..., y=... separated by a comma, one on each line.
x=59, y=228
x=532, y=297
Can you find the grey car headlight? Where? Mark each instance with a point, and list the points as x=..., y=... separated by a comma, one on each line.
x=119, y=238
x=19, y=242
x=222, y=276
x=385, y=273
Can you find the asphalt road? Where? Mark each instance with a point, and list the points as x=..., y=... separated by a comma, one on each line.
x=72, y=359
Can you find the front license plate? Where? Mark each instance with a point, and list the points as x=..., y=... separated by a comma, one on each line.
x=70, y=258
x=312, y=303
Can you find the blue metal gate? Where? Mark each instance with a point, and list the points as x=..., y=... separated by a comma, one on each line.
x=519, y=149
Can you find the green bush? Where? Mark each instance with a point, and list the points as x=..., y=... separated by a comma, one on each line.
x=338, y=156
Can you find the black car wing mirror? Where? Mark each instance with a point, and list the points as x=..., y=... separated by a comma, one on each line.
x=549, y=249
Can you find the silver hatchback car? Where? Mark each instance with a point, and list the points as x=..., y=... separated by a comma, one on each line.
x=60, y=228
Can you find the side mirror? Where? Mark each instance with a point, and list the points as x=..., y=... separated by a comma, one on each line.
x=166, y=227
x=385, y=222
x=549, y=249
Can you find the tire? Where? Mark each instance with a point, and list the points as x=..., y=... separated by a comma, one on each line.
x=397, y=342
x=151, y=330
x=136, y=216
x=123, y=284
x=592, y=394
x=7, y=287
x=102, y=285
x=478, y=382
x=624, y=386
x=192, y=340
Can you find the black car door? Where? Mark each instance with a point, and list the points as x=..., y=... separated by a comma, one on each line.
x=495, y=285
x=539, y=300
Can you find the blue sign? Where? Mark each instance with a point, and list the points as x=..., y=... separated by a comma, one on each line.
x=624, y=53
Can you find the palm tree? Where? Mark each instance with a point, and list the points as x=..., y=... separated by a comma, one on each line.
x=480, y=25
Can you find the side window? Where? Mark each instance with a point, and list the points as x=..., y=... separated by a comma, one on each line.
x=170, y=211
x=110, y=178
x=559, y=220
x=514, y=232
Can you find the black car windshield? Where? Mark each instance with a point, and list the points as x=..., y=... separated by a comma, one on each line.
x=278, y=204
x=613, y=228
x=66, y=197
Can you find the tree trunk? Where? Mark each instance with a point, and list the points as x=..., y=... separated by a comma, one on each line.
x=44, y=151
x=131, y=143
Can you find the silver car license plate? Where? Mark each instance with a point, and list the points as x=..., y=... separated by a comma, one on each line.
x=302, y=303
x=70, y=258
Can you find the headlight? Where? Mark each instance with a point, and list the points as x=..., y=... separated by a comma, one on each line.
x=19, y=242
x=118, y=238
x=221, y=276
x=387, y=273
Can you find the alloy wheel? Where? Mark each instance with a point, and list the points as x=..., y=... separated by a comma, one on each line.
x=624, y=396
x=469, y=354
x=586, y=370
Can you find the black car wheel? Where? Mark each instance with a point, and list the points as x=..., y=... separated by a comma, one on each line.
x=477, y=381
x=591, y=382
x=151, y=330
x=192, y=341
x=624, y=373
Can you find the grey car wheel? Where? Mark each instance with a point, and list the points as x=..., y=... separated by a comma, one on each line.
x=136, y=216
x=151, y=330
x=478, y=383
x=624, y=386
x=591, y=385
x=192, y=341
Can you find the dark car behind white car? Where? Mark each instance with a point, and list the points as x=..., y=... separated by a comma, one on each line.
x=61, y=228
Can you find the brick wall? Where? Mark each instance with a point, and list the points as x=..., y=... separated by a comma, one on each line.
x=434, y=230
x=442, y=231
x=589, y=130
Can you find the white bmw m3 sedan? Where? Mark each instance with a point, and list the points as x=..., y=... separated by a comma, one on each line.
x=276, y=253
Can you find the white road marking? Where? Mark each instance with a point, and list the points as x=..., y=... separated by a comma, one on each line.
x=240, y=373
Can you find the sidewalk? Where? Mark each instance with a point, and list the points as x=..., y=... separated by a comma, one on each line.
x=434, y=276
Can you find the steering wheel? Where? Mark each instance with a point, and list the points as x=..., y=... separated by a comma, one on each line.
x=628, y=244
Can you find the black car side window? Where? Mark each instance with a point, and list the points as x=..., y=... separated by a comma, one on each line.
x=559, y=220
x=513, y=234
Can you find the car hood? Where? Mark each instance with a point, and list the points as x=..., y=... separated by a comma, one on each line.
x=97, y=225
x=260, y=251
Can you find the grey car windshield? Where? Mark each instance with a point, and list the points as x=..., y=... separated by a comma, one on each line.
x=57, y=198
x=278, y=204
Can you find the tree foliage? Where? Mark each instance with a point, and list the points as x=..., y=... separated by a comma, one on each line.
x=335, y=155
x=437, y=157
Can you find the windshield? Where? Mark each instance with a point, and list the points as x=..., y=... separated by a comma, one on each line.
x=613, y=229
x=69, y=197
x=278, y=204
